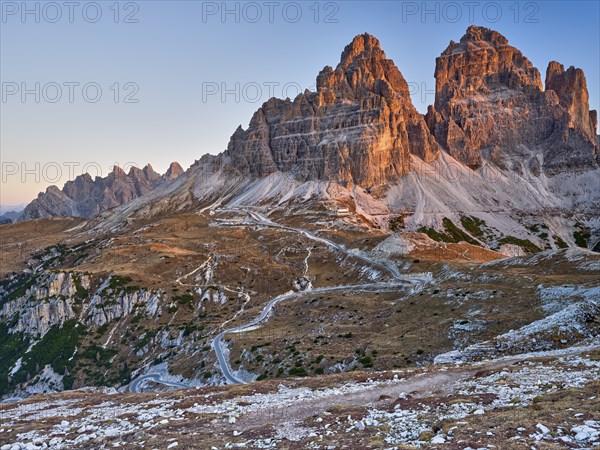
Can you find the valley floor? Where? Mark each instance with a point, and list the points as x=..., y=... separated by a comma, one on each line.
x=396, y=349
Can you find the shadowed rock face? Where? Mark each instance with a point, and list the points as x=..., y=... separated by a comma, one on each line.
x=490, y=104
x=86, y=197
x=359, y=128
x=53, y=202
x=571, y=88
x=173, y=171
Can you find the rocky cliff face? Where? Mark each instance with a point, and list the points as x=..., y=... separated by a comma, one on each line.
x=55, y=297
x=53, y=202
x=490, y=104
x=86, y=197
x=47, y=302
x=106, y=308
x=571, y=88
x=51, y=322
x=359, y=128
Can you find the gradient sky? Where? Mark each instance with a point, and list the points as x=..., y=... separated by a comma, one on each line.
x=174, y=53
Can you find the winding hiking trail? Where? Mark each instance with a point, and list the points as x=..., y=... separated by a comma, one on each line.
x=391, y=269
x=219, y=346
x=401, y=280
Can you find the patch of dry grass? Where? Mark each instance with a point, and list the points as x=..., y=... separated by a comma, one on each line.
x=18, y=241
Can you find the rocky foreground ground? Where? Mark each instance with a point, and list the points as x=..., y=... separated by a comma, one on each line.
x=539, y=400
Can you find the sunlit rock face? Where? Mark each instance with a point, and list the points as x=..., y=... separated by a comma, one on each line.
x=358, y=128
x=490, y=103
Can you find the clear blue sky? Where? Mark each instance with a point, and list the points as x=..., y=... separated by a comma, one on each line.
x=179, y=49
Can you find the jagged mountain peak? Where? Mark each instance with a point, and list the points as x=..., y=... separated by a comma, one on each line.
x=363, y=46
x=51, y=189
x=490, y=104
x=479, y=33
x=173, y=171
x=118, y=171
x=483, y=62
x=149, y=171
x=359, y=128
x=135, y=170
x=363, y=69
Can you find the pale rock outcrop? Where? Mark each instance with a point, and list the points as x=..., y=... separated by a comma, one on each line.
x=48, y=302
x=52, y=298
x=106, y=308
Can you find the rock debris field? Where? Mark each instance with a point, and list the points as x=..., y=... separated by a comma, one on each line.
x=547, y=400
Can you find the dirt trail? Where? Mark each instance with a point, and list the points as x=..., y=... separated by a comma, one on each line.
x=419, y=386
x=438, y=383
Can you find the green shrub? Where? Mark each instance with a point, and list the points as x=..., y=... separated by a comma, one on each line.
x=56, y=348
x=435, y=235
x=185, y=299
x=456, y=233
x=298, y=372
x=12, y=347
x=102, y=329
x=102, y=356
x=145, y=339
x=525, y=244
x=18, y=287
x=452, y=233
x=117, y=281
x=559, y=242
x=366, y=361
x=81, y=293
x=472, y=225
x=396, y=223
x=581, y=237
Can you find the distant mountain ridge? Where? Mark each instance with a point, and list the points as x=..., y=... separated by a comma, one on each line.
x=9, y=213
x=9, y=216
x=86, y=197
